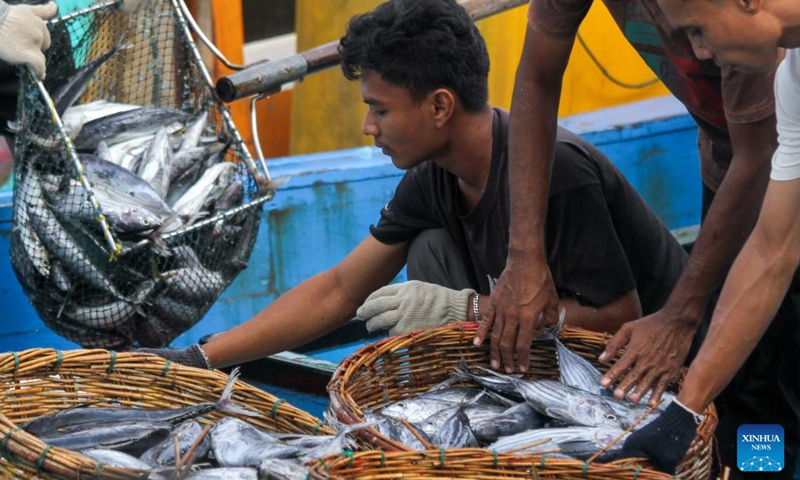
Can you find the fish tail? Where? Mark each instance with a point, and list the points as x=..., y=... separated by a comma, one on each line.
x=225, y=402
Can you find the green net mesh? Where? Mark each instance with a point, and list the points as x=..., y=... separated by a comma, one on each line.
x=127, y=234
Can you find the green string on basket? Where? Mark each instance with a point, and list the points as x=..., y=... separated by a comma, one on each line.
x=494, y=458
x=7, y=438
x=316, y=427
x=40, y=462
x=349, y=454
x=544, y=459
x=274, y=411
x=98, y=470
x=113, y=360
x=327, y=468
x=166, y=368
x=383, y=459
x=585, y=469
x=16, y=363
x=441, y=456
x=59, y=359
x=637, y=472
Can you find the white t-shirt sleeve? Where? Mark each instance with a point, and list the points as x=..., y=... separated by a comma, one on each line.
x=786, y=161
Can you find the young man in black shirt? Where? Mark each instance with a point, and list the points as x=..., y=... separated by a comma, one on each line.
x=423, y=68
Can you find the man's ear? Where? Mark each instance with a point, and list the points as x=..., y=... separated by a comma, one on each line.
x=443, y=105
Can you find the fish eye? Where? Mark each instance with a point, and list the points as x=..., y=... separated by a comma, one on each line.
x=610, y=416
x=401, y=404
x=146, y=221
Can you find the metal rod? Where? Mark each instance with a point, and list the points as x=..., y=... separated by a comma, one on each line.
x=268, y=77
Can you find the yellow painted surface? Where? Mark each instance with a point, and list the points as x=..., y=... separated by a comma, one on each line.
x=327, y=109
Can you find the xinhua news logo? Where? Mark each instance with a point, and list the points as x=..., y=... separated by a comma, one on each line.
x=760, y=448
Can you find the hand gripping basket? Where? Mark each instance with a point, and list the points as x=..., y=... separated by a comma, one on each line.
x=42, y=381
x=406, y=365
x=109, y=281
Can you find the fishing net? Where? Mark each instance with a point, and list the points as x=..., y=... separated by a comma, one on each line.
x=136, y=202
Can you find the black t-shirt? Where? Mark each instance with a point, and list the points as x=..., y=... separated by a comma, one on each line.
x=602, y=239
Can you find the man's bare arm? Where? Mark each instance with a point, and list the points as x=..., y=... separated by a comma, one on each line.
x=312, y=308
x=525, y=289
x=752, y=294
x=657, y=345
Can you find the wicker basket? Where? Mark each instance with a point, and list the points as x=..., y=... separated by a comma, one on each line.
x=466, y=463
x=407, y=365
x=41, y=381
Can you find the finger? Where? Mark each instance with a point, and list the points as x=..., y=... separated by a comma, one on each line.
x=377, y=306
x=382, y=322
x=629, y=382
x=385, y=291
x=658, y=391
x=548, y=317
x=508, y=343
x=617, y=370
x=45, y=37
x=643, y=386
x=36, y=63
x=523, y=347
x=619, y=340
x=494, y=346
x=484, y=326
x=46, y=11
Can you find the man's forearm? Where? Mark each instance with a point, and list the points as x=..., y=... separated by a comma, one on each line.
x=301, y=315
x=729, y=220
x=751, y=296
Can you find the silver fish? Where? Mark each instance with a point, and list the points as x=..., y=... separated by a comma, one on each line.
x=62, y=245
x=67, y=94
x=397, y=431
x=76, y=117
x=545, y=439
x=577, y=372
x=113, y=458
x=77, y=419
x=563, y=402
x=130, y=437
x=191, y=137
x=196, y=284
x=125, y=217
x=123, y=126
x=455, y=432
x=516, y=419
x=113, y=315
x=236, y=443
x=281, y=469
x=185, y=436
x=224, y=474
x=59, y=276
x=415, y=410
x=156, y=163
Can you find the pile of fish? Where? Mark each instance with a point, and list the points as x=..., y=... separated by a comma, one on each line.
x=571, y=418
x=154, y=172
x=149, y=440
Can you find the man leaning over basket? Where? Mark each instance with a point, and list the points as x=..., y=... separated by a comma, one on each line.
x=423, y=68
x=766, y=267
x=24, y=36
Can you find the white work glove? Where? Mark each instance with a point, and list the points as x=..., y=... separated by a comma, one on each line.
x=130, y=6
x=24, y=35
x=411, y=306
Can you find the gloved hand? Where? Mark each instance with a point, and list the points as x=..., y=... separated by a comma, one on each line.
x=664, y=441
x=411, y=306
x=193, y=356
x=130, y=6
x=24, y=34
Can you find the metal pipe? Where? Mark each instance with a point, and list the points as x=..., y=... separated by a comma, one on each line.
x=266, y=78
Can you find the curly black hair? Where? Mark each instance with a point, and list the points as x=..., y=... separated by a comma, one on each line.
x=420, y=45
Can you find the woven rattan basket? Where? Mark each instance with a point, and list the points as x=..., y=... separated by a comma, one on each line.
x=406, y=365
x=41, y=381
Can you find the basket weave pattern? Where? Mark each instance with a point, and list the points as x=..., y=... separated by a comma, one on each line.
x=406, y=365
x=42, y=381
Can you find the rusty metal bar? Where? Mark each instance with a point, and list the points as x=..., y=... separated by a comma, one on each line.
x=266, y=78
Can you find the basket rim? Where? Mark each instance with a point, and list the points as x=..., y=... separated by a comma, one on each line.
x=20, y=447
x=344, y=408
